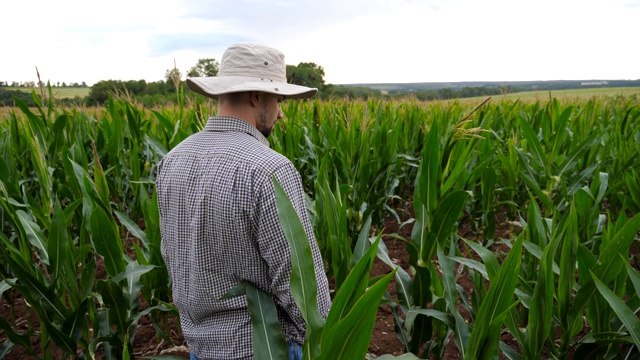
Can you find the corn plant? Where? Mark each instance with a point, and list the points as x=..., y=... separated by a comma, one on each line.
x=346, y=332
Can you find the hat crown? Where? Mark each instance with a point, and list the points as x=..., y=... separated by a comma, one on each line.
x=253, y=60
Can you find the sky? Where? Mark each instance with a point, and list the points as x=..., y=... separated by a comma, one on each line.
x=355, y=41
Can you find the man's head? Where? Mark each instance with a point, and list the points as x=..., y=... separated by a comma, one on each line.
x=250, y=85
x=260, y=109
x=250, y=67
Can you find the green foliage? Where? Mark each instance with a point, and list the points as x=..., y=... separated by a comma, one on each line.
x=555, y=177
x=306, y=74
x=204, y=67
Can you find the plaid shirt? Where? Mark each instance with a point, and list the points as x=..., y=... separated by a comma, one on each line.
x=220, y=226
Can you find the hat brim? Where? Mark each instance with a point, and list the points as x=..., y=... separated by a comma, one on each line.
x=214, y=86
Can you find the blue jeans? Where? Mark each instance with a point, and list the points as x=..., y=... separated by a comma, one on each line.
x=295, y=351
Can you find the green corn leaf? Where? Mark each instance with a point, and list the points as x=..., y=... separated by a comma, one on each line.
x=426, y=186
x=355, y=286
x=472, y=264
x=534, y=144
x=63, y=341
x=461, y=329
x=22, y=340
x=268, y=341
x=421, y=285
x=568, y=259
x=350, y=337
x=164, y=307
x=4, y=286
x=238, y=290
x=533, y=185
x=560, y=131
x=133, y=270
x=447, y=214
x=581, y=179
x=489, y=259
x=133, y=228
x=403, y=280
x=113, y=296
x=541, y=304
x=106, y=241
x=36, y=291
x=607, y=267
x=578, y=152
x=72, y=327
x=484, y=338
x=626, y=315
x=34, y=234
x=303, y=279
x=634, y=275
x=633, y=184
x=58, y=243
x=362, y=245
x=444, y=317
x=87, y=277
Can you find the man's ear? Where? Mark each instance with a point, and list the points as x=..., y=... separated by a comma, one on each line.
x=255, y=98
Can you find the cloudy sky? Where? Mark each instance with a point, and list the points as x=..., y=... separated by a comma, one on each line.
x=355, y=41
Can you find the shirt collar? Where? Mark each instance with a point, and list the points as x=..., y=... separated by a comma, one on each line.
x=228, y=123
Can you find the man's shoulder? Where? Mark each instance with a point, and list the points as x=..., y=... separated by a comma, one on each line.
x=236, y=146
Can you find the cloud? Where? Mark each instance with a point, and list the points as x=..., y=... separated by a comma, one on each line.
x=166, y=44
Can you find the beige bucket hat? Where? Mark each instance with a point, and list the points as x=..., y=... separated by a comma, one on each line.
x=250, y=67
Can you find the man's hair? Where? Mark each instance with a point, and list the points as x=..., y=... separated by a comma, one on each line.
x=231, y=98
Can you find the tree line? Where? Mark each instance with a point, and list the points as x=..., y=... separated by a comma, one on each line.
x=167, y=91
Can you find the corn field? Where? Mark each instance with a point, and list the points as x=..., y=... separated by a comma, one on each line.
x=80, y=240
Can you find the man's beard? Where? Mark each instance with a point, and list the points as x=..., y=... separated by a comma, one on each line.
x=262, y=125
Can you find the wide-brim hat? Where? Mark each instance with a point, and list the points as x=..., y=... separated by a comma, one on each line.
x=250, y=67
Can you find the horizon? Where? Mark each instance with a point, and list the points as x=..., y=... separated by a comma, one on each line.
x=78, y=84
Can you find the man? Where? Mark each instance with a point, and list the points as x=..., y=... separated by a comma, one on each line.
x=219, y=221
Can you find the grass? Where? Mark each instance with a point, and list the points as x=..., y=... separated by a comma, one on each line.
x=570, y=93
x=58, y=92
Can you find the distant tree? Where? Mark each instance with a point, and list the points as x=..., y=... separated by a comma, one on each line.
x=135, y=87
x=84, y=84
x=99, y=92
x=204, y=67
x=306, y=74
x=64, y=84
x=173, y=77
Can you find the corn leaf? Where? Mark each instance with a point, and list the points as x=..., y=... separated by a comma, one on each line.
x=303, y=279
x=485, y=336
x=541, y=304
x=607, y=267
x=532, y=141
x=349, y=338
x=113, y=296
x=34, y=234
x=446, y=215
x=58, y=243
x=461, y=329
x=106, y=241
x=268, y=342
x=355, y=286
x=625, y=314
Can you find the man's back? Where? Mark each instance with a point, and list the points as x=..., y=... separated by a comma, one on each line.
x=220, y=227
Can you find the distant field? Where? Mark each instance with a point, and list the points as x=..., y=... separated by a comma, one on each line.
x=58, y=92
x=570, y=94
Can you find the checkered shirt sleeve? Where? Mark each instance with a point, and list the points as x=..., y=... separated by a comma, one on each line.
x=220, y=227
